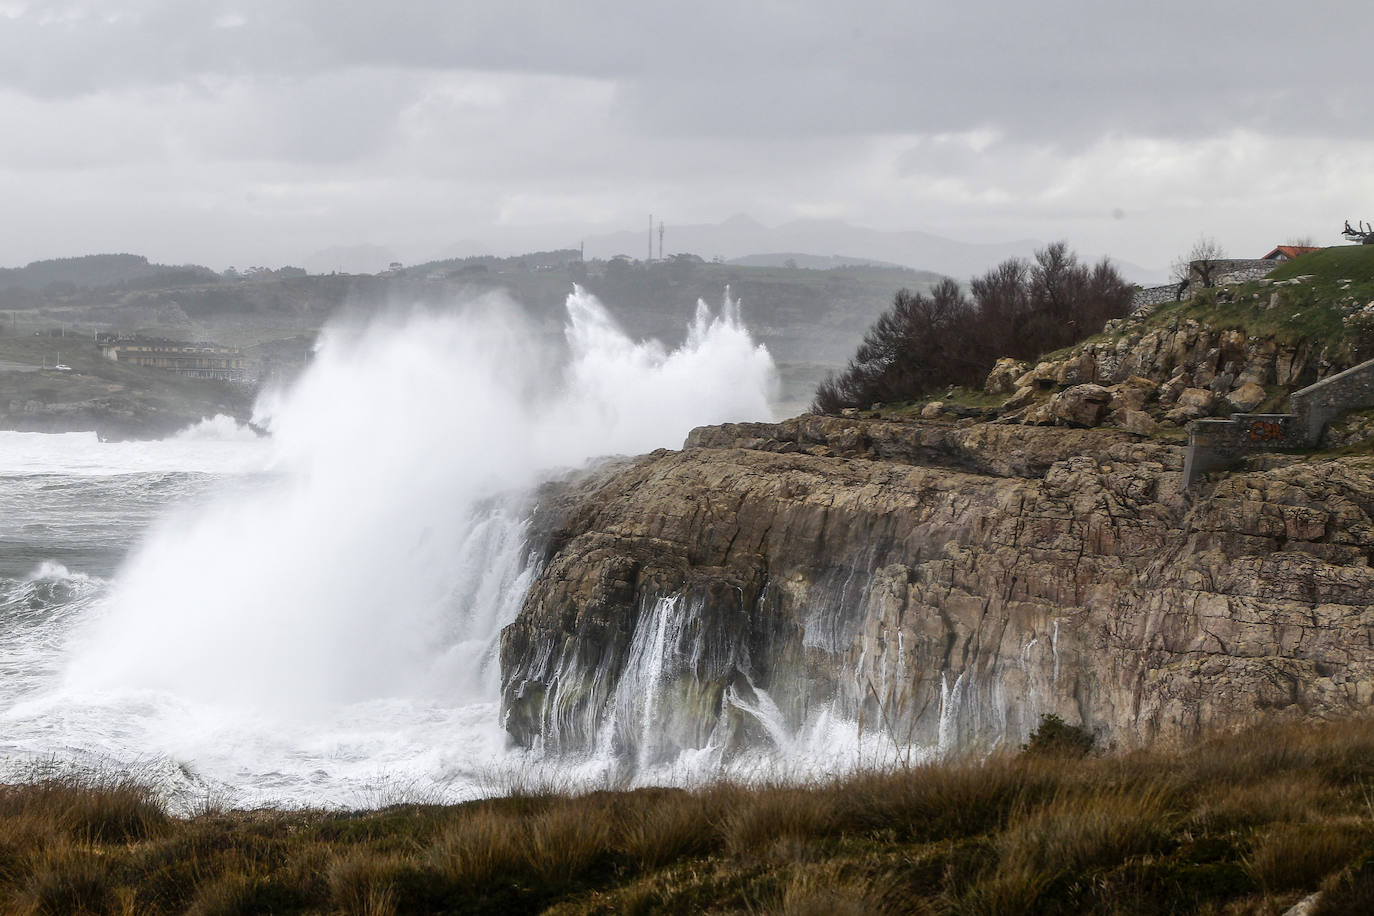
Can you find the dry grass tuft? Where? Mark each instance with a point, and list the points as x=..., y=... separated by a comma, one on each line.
x=568, y=840
x=961, y=798
x=817, y=893
x=1284, y=798
x=479, y=848
x=1075, y=832
x=1300, y=856
x=91, y=810
x=1350, y=892
x=66, y=880
x=363, y=885
x=754, y=818
x=658, y=832
x=1005, y=892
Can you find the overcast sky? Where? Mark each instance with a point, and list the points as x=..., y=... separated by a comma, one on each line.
x=257, y=132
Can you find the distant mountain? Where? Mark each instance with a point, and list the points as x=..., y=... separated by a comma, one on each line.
x=741, y=236
x=808, y=261
x=94, y=270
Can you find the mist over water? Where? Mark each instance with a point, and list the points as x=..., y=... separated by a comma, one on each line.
x=324, y=621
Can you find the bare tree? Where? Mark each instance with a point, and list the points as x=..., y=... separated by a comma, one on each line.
x=1362, y=233
x=1201, y=262
x=927, y=341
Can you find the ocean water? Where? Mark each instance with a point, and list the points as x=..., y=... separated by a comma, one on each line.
x=311, y=617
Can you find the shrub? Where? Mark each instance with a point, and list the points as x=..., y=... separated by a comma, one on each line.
x=1020, y=309
x=1055, y=737
x=911, y=348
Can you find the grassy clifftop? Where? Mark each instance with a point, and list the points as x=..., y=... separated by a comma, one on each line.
x=1310, y=298
x=1240, y=347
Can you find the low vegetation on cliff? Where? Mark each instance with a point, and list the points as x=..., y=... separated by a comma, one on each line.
x=1249, y=823
x=1240, y=347
x=1320, y=298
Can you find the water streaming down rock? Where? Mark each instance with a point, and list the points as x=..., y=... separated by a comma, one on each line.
x=691, y=628
x=1006, y=572
x=940, y=609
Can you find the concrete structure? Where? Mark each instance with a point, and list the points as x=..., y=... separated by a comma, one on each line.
x=199, y=359
x=1219, y=442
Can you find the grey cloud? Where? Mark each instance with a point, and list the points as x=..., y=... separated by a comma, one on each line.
x=349, y=115
x=343, y=121
x=1068, y=69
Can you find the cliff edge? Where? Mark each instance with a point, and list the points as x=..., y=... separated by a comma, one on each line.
x=946, y=585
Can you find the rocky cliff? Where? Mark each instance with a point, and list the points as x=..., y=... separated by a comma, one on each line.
x=947, y=585
x=1234, y=349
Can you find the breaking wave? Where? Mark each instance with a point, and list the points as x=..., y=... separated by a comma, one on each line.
x=332, y=628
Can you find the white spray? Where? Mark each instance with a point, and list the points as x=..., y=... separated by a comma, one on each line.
x=379, y=561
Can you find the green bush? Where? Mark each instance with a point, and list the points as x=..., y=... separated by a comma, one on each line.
x=1055, y=737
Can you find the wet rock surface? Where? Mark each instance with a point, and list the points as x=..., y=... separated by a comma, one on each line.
x=948, y=585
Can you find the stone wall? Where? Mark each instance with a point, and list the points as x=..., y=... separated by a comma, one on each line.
x=1224, y=272
x=1154, y=295
x=1217, y=443
x=1242, y=270
x=1321, y=403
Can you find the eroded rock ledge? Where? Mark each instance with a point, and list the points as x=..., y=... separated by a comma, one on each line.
x=948, y=584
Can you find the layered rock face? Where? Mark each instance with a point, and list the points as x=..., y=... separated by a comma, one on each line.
x=947, y=586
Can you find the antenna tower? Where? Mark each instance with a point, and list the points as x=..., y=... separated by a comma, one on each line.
x=660, y=240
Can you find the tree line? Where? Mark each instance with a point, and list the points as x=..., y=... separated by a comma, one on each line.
x=1020, y=308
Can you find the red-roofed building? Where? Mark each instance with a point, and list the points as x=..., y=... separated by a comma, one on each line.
x=1288, y=252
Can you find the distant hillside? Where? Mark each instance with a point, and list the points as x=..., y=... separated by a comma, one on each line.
x=741, y=236
x=534, y=260
x=808, y=261
x=811, y=320
x=91, y=271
